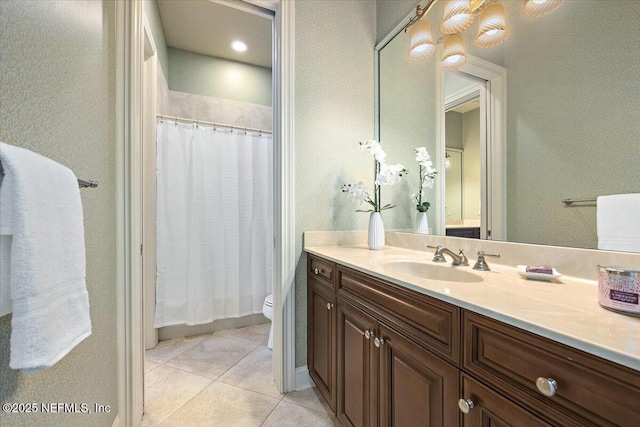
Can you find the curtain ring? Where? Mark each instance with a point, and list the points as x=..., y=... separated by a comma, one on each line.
x=176, y=121
x=197, y=123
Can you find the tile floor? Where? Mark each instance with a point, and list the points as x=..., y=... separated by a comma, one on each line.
x=224, y=379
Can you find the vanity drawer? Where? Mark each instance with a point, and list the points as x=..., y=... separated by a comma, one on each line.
x=429, y=322
x=590, y=391
x=321, y=270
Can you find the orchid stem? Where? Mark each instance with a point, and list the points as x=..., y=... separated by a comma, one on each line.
x=377, y=192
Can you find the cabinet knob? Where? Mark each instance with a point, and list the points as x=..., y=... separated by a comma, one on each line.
x=368, y=334
x=378, y=342
x=547, y=386
x=329, y=306
x=465, y=405
x=316, y=271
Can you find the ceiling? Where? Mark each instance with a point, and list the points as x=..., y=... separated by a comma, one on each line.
x=467, y=106
x=208, y=27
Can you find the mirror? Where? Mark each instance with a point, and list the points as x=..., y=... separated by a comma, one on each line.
x=572, y=118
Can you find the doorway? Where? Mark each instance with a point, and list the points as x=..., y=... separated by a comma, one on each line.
x=207, y=252
x=129, y=139
x=485, y=83
x=465, y=167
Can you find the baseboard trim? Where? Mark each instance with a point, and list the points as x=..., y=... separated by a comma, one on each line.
x=303, y=380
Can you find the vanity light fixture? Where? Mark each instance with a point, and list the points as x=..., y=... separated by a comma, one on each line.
x=454, y=55
x=458, y=15
x=492, y=30
x=537, y=8
x=422, y=45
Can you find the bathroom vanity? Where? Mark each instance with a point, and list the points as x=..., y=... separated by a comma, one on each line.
x=386, y=347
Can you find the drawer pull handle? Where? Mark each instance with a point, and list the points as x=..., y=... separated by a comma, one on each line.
x=547, y=386
x=465, y=405
x=316, y=271
x=378, y=342
x=368, y=334
x=329, y=306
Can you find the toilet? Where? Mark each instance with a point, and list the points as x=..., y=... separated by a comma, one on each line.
x=267, y=310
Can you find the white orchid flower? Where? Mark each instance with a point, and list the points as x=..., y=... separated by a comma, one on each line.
x=390, y=174
x=385, y=175
x=422, y=155
x=427, y=176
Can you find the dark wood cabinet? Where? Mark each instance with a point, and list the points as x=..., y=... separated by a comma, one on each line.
x=482, y=407
x=385, y=379
x=321, y=340
x=417, y=388
x=357, y=367
x=468, y=232
x=384, y=355
x=587, y=391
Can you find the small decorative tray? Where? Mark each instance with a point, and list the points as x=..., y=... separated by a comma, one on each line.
x=522, y=270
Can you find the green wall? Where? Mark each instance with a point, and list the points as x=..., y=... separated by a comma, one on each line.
x=205, y=75
x=57, y=85
x=152, y=13
x=333, y=111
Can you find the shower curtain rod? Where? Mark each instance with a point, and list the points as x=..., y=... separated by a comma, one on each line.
x=182, y=119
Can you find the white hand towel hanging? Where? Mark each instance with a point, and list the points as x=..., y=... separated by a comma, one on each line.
x=40, y=208
x=618, y=222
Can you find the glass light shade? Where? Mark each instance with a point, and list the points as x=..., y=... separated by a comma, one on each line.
x=537, y=8
x=492, y=30
x=475, y=4
x=421, y=43
x=453, y=56
x=457, y=16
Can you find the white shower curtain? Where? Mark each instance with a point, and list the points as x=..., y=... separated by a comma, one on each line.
x=214, y=223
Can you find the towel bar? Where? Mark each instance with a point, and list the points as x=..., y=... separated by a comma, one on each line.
x=569, y=202
x=82, y=183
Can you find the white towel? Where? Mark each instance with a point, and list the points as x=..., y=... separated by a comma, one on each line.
x=618, y=222
x=40, y=208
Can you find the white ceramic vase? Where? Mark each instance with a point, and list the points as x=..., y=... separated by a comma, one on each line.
x=376, y=231
x=422, y=224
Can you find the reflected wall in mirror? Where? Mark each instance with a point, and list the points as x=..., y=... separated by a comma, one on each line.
x=572, y=127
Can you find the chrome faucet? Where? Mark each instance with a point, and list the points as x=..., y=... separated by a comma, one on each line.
x=456, y=259
x=481, y=264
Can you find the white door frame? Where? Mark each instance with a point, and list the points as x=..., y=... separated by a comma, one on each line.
x=129, y=54
x=129, y=51
x=495, y=103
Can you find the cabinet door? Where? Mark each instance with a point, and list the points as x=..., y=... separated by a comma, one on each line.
x=321, y=340
x=417, y=388
x=357, y=382
x=483, y=407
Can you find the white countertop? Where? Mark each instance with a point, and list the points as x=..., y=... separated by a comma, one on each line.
x=564, y=310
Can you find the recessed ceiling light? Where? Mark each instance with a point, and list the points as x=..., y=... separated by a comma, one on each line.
x=239, y=46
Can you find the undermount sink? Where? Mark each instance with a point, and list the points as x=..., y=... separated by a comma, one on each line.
x=426, y=270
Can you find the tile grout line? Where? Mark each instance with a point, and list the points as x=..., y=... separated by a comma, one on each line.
x=211, y=381
x=181, y=406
